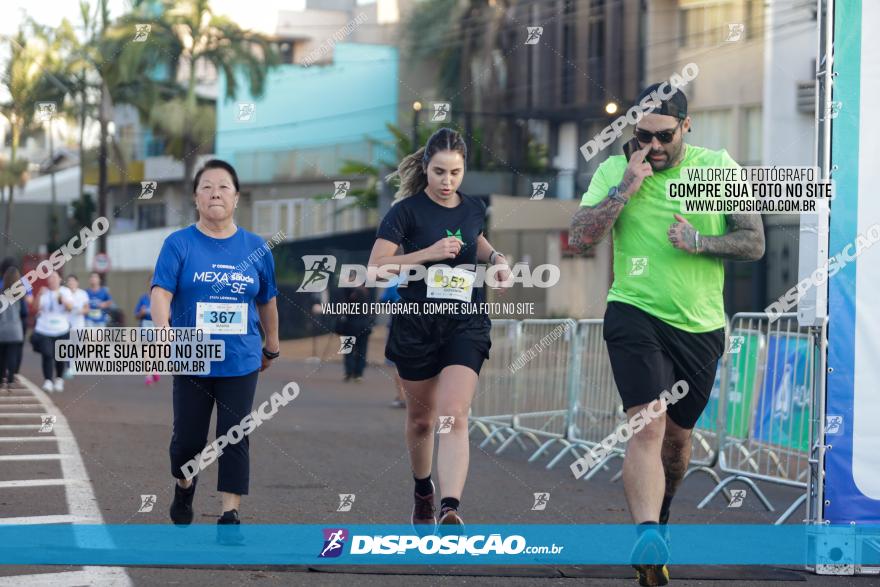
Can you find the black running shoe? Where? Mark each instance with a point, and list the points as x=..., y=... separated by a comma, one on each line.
x=181, y=507
x=230, y=517
x=228, y=528
x=422, y=518
x=450, y=523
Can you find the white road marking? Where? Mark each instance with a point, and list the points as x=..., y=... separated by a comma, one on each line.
x=57, y=519
x=81, y=502
x=44, y=438
x=36, y=457
x=109, y=577
x=40, y=482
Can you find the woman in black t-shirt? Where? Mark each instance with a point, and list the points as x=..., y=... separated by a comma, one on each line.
x=438, y=355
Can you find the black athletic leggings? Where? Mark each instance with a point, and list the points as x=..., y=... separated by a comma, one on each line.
x=46, y=347
x=193, y=399
x=9, y=357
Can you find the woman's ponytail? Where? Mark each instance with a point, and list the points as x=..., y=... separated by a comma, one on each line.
x=411, y=175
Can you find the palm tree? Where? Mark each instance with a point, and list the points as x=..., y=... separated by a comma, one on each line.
x=31, y=56
x=401, y=145
x=460, y=36
x=466, y=40
x=185, y=39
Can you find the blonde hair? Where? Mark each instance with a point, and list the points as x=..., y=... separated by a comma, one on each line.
x=411, y=172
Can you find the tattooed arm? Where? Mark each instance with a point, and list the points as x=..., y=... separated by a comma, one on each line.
x=591, y=223
x=744, y=240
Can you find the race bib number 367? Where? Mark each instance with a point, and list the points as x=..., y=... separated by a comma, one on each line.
x=222, y=318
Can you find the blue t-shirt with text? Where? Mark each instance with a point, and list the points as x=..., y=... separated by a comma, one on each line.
x=228, y=277
x=97, y=315
x=143, y=302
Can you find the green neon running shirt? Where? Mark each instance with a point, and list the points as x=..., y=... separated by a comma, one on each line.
x=682, y=289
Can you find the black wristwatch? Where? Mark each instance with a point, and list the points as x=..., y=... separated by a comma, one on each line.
x=270, y=354
x=614, y=194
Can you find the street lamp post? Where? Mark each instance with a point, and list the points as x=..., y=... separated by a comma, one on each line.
x=417, y=107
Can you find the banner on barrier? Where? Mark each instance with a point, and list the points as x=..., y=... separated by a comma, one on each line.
x=852, y=410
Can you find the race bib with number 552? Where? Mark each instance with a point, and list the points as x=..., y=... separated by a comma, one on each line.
x=216, y=318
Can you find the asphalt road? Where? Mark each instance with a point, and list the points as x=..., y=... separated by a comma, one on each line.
x=334, y=438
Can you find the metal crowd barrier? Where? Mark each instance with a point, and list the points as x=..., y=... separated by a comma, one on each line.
x=765, y=417
x=541, y=390
x=705, y=437
x=596, y=407
x=493, y=404
x=550, y=382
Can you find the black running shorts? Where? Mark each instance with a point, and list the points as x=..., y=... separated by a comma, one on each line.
x=422, y=345
x=648, y=356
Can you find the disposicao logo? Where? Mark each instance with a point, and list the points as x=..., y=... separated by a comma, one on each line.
x=334, y=542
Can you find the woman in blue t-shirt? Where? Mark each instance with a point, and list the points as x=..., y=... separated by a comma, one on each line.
x=99, y=302
x=218, y=277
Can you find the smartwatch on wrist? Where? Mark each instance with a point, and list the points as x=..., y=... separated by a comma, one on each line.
x=270, y=355
x=614, y=194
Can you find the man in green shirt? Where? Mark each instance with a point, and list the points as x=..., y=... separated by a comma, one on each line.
x=665, y=318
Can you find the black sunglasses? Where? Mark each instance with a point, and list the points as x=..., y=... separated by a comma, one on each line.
x=664, y=136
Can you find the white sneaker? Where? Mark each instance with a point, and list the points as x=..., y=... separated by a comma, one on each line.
x=48, y=387
x=59, y=384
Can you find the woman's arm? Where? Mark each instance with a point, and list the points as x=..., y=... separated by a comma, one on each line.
x=269, y=321
x=66, y=301
x=484, y=251
x=160, y=306
x=383, y=253
x=42, y=301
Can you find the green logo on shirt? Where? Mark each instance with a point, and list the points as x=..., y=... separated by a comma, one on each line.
x=457, y=234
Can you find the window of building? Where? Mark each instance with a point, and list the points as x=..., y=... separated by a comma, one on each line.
x=285, y=51
x=754, y=19
x=703, y=23
x=569, y=52
x=596, y=49
x=303, y=217
x=752, y=136
x=711, y=129
x=150, y=215
x=264, y=218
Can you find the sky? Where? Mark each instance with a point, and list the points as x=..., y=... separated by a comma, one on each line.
x=51, y=12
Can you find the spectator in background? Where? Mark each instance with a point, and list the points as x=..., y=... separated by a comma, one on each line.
x=358, y=324
x=24, y=312
x=11, y=332
x=53, y=323
x=391, y=295
x=145, y=320
x=77, y=317
x=99, y=301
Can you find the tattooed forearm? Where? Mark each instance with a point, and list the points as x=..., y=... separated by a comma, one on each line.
x=744, y=240
x=591, y=223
